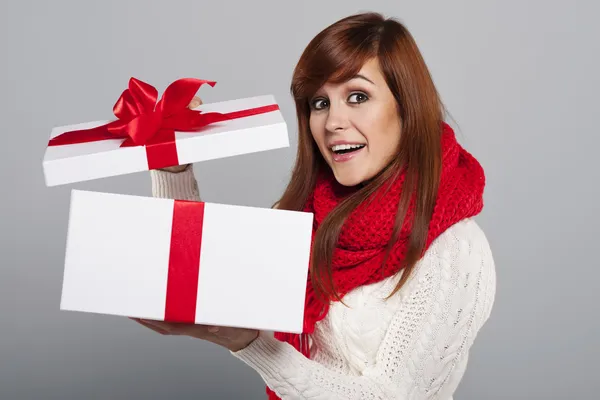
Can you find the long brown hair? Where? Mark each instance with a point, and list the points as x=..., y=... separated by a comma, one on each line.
x=334, y=55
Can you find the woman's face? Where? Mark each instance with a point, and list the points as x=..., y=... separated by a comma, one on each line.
x=356, y=125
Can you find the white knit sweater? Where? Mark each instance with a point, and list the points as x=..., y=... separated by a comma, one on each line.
x=412, y=346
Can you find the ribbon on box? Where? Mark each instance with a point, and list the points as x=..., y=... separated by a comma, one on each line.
x=184, y=265
x=184, y=261
x=141, y=121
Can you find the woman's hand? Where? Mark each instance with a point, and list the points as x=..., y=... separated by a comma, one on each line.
x=233, y=339
x=196, y=101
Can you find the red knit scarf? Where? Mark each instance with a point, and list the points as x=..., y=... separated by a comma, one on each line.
x=359, y=253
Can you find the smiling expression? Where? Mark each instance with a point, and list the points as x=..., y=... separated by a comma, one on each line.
x=356, y=125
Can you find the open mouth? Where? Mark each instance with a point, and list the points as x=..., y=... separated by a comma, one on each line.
x=346, y=148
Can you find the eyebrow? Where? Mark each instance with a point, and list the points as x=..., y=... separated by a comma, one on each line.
x=359, y=76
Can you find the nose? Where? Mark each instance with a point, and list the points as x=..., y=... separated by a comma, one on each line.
x=337, y=119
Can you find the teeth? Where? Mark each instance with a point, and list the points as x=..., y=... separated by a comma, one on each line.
x=339, y=147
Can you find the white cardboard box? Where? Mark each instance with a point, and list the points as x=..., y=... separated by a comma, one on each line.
x=71, y=163
x=251, y=270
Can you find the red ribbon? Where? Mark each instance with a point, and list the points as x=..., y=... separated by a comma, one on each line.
x=184, y=261
x=141, y=121
x=184, y=265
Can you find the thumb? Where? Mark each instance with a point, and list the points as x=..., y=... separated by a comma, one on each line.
x=196, y=101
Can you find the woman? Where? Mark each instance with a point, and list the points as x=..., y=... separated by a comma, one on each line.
x=401, y=279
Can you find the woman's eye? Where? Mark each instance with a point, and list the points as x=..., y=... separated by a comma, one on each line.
x=319, y=104
x=358, y=98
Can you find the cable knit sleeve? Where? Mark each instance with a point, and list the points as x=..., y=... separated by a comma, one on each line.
x=175, y=185
x=425, y=349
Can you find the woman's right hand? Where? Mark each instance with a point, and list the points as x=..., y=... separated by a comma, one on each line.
x=196, y=101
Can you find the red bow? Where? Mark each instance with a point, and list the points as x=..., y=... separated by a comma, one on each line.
x=144, y=122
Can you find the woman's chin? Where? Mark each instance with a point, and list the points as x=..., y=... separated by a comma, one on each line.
x=349, y=180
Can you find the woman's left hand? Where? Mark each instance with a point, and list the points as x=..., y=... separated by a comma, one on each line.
x=234, y=339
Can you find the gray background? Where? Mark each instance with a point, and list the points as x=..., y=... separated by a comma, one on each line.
x=519, y=77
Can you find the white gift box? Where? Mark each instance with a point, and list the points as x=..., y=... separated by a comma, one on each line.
x=69, y=163
x=195, y=262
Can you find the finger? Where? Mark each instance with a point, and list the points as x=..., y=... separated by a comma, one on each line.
x=196, y=101
x=151, y=327
x=165, y=326
x=211, y=333
x=219, y=332
x=199, y=331
x=172, y=328
x=228, y=333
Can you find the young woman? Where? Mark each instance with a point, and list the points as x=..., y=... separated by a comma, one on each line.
x=402, y=278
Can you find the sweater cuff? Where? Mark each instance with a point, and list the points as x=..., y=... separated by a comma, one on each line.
x=271, y=358
x=175, y=185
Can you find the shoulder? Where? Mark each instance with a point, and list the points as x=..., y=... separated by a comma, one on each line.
x=441, y=310
x=430, y=324
x=461, y=240
x=462, y=249
x=453, y=283
x=460, y=268
x=456, y=274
